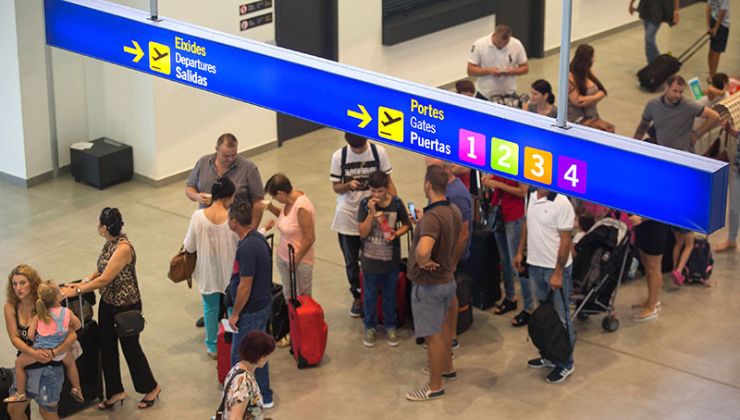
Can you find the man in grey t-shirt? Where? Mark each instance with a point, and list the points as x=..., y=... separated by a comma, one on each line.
x=673, y=116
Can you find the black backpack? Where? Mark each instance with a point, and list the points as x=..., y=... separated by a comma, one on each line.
x=548, y=333
x=700, y=263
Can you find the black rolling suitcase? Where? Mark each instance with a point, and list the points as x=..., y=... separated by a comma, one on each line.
x=659, y=70
x=465, y=299
x=483, y=269
x=88, y=364
x=279, y=324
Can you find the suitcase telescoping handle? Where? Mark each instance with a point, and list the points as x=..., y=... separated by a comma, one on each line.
x=293, y=281
x=693, y=48
x=82, y=312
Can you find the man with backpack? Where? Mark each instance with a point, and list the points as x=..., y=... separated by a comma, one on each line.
x=546, y=237
x=350, y=168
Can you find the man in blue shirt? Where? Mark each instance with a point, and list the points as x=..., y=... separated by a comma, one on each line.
x=250, y=288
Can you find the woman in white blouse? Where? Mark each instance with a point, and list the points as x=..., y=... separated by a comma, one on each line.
x=209, y=235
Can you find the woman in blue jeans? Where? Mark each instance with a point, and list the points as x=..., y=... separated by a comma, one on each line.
x=508, y=198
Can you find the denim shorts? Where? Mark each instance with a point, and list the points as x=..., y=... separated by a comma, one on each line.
x=430, y=304
x=44, y=386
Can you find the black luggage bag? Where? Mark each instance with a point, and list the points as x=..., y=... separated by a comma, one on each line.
x=483, y=268
x=279, y=324
x=659, y=70
x=88, y=366
x=464, y=298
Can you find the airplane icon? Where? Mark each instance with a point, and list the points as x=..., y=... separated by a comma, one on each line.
x=390, y=119
x=158, y=55
x=391, y=124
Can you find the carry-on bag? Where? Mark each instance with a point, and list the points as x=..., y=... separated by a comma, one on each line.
x=664, y=66
x=223, y=353
x=483, y=267
x=308, y=329
x=548, y=333
x=700, y=264
x=88, y=363
x=402, y=308
x=279, y=323
x=465, y=300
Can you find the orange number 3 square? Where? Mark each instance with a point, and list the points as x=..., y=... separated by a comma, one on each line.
x=538, y=165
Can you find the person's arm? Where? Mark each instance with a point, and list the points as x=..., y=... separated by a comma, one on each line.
x=365, y=217
x=242, y=297
x=519, y=190
x=589, y=100
x=68, y=341
x=518, y=70
x=257, y=209
x=237, y=411
x=632, y=8
x=120, y=258
x=676, y=15
x=194, y=195
x=519, y=259
x=720, y=16
x=190, y=243
x=556, y=280
x=308, y=230
x=41, y=356
x=74, y=322
x=462, y=240
x=345, y=187
x=709, y=19
x=272, y=208
x=32, y=327
x=476, y=70
x=403, y=216
x=711, y=118
x=641, y=129
x=424, y=253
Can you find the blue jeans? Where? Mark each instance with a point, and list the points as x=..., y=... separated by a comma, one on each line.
x=651, y=47
x=507, y=241
x=386, y=284
x=253, y=321
x=211, y=309
x=540, y=277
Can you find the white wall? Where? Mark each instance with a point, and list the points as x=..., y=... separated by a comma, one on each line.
x=70, y=100
x=590, y=17
x=12, y=149
x=433, y=59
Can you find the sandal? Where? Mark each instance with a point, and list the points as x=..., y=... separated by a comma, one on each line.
x=149, y=403
x=16, y=398
x=109, y=405
x=505, y=306
x=77, y=395
x=521, y=319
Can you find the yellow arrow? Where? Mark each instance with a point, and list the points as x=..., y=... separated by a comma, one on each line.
x=136, y=50
x=363, y=116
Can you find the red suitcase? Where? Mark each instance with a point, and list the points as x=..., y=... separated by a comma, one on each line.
x=308, y=330
x=223, y=353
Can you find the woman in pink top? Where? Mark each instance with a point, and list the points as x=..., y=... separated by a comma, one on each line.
x=296, y=226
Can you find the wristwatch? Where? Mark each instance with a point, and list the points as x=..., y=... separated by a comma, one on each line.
x=78, y=291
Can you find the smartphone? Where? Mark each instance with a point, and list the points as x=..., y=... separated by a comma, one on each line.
x=412, y=211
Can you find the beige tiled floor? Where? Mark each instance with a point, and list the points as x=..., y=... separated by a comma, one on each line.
x=685, y=365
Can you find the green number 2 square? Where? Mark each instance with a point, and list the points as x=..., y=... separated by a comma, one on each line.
x=504, y=156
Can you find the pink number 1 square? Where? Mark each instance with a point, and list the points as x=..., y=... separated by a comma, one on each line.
x=472, y=147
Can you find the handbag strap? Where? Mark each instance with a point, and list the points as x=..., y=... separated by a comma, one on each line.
x=226, y=389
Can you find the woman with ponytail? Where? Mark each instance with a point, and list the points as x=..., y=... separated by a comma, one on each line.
x=210, y=237
x=541, y=99
x=48, y=330
x=115, y=277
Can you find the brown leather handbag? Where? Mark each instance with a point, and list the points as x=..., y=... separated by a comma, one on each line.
x=182, y=266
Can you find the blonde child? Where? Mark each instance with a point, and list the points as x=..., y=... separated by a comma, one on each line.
x=48, y=329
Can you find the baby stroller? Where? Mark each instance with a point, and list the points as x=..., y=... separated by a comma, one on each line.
x=598, y=268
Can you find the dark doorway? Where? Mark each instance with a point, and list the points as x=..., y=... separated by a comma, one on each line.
x=308, y=26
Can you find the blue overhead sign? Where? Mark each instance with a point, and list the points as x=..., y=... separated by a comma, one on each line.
x=674, y=187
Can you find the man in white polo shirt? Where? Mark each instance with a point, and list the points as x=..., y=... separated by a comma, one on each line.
x=495, y=60
x=546, y=233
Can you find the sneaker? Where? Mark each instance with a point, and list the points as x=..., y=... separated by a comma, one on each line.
x=369, y=339
x=455, y=344
x=200, y=323
x=540, y=363
x=393, y=338
x=521, y=319
x=559, y=374
x=678, y=278
x=356, y=309
x=268, y=405
x=425, y=394
x=420, y=341
x=450, y=376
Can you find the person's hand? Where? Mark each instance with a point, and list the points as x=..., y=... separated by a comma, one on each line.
x=68, y=292
x=635, y=219
x=419, y=214
x=430, y=266
x=391, y=236
x=269, y=225
x=354, y=185
x=694, y=137
x=556, y=280
x=204, y=198
x=712, y=32
x=372, y=205
x=676, y=17
x=632, y=8
x=233, y=320
x=42, y=356
x=494, y=71
x=518, y=262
